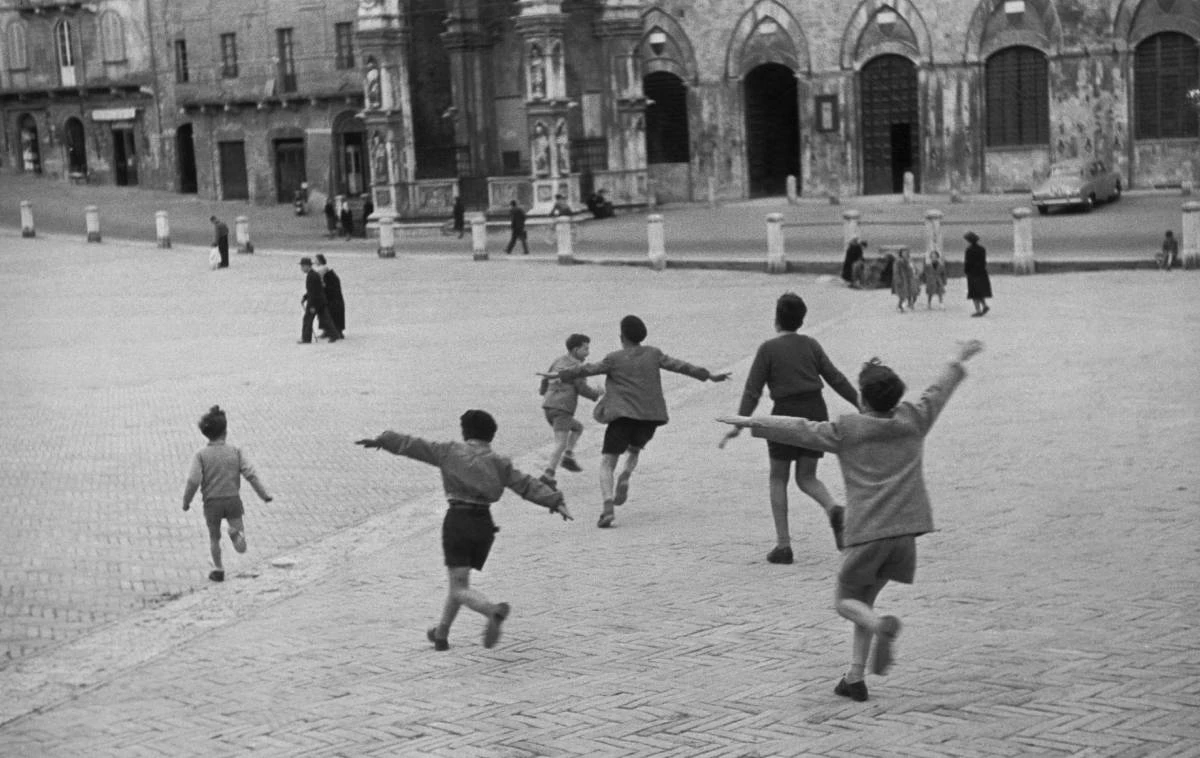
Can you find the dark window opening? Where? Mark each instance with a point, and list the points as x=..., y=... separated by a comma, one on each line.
x=1018, y=99
x=667, y=139
x=1165, y=67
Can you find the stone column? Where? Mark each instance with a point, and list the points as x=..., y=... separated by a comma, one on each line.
x=162, y=227
x=241, y=234
x=657, y=247
x=933, y=233
x=383, y=40
x=564, y=237
x=91, y=218
x=479, y=237
x=1191, y=235
x=540, y=23
x=1023, y=262
x=27, y=229
x=909, y=186
x=792, y=196
x=619, y=30
x=467, y=42
x=776, y=263
x=387, y=237
x=850, y=219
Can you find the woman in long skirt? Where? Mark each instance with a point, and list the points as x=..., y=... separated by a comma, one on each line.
x=979, y=285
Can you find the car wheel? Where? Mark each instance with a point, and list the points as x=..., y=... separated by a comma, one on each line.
x=1116, y=195
x=1043, y=210
x=1090, y=203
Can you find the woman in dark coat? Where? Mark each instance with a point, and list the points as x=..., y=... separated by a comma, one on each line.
x=979, y=285
x=854, y=254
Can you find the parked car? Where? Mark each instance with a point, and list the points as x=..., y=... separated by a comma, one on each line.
x=1080, y=182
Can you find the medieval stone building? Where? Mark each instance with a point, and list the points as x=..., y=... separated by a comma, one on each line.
x=411, y=101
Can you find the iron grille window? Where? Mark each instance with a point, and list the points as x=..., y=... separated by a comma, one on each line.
x=1165, y=67
x=343, y=39
x=667, y=138
x=229, y=56
x=285, y=53
x=589, y=155
x=181, y=61
x=1018, y=98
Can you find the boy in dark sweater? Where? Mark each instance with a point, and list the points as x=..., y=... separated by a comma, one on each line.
x=880, y=451
x=473, y=478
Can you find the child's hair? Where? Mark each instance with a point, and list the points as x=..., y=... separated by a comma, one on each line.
x=478, y=425
x=213, y=423
x=933, y=254
x=881, y=388
x=320, y=259
x=577, y=340
x=633, y=329
x=790, y=311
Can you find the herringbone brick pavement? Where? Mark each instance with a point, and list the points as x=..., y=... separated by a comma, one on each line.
x=1053, y=614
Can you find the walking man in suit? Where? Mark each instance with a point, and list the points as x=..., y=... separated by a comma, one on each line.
x=315, y=305
x=221, y=240
x=516, y=221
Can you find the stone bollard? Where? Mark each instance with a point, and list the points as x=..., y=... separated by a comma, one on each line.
x=1191, y=235
x=712, y=192
x=479, y=237
x=792, y=196
x=910, y=184
x=564, y=239
x=91, y=217
x=776, y=263
x=27, y=219
x=933, y=232
x=658, y=250
x=849, y=226
x=241, y=234
x=387, y=237
x=162, y=226
x=1023, y=241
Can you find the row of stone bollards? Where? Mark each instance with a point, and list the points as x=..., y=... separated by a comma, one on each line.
x=162, y=227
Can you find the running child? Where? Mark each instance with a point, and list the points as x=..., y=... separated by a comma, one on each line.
x=473, y=477
x=561, y=400
x=216, y=472
x=633, y=406
x=887, y=506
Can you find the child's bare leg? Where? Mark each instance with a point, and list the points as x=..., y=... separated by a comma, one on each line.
x=214, y=545
x=778, y=484
x=561, y=445
x=861, y=613
x=608, y=465
x=572, y=438
x=809, y=484
x=461, y=594
x=237, y=534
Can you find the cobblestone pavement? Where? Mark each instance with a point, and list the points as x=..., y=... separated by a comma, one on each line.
x=1131, y=228
x=1054, y=611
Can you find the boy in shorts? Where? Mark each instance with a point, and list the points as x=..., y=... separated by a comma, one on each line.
x=473, y=478
x=633, y=406
x=216, y=472
x=880, y=451
x=561, y=400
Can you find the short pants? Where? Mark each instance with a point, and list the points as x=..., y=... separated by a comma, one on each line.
x=561, y=421
x=811, y=406
x=218, y=508
x=624, y=433
x=467, y=537
x=866, y=565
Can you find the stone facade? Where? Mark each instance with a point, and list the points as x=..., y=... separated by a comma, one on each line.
x=652, y=101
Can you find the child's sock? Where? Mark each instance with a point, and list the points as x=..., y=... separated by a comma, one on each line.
x=856, y=673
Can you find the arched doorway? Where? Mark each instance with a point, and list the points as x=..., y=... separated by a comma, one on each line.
x=185, y=157
x=350, y=166
x=31, y=151
x=890, y=124
x=772, y=129
x=76, y=145
x=668, y=145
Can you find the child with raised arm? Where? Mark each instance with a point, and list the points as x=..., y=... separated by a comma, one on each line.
x=561, y=400
x=887, y=506
x=792, y=367
x=216, y=472
x=633, y=406
x=473, y=478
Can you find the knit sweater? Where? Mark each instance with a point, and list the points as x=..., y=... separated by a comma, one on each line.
x=792, y=364
x=217, y=470
x=881, y=456
x=633, y=388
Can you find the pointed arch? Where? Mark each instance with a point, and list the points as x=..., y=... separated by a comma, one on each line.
x=917, y=45
x=1138, y=21
x=991, y=29
x=676, y=55
x=18, y=48
x=112, y=37
x=767, y=33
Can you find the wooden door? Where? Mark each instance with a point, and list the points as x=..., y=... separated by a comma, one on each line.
x=888, y=87
x=233, y=171
x=290, y=171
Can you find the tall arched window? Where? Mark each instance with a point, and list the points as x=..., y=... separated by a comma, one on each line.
x=1018, y=99
x=18, y=59
x=112, y=36
x=667, y=138
x=1165, y=67
x=64, y=48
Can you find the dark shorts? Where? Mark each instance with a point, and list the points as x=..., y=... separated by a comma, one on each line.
x=467, y=537
x=625, y=433
x=868, y=564
x=810, y=406
x=218, y=508
x=561, y=421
